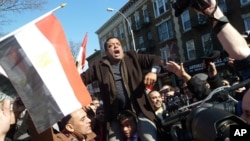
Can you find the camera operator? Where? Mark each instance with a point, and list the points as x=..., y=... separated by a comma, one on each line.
x=245, y=109
x=166, y=90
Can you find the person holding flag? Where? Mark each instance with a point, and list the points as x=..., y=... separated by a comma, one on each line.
x=38, y=62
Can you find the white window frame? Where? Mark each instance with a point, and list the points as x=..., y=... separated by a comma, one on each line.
x=164, y=7
x=145, y=15
x=244, y=2
x=223, y=6
x=207, y=43
x=202, y=19
x=191, y=51
x=247, y=22
x=165, y=53
x=165, y=30
x=186, y=22
x=129, y=27
x=137, y=21
x=141, y=42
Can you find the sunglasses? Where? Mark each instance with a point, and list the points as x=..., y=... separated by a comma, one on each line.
x=165, y=91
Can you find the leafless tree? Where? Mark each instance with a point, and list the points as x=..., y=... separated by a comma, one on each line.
x=18, y=6
x=74, y=47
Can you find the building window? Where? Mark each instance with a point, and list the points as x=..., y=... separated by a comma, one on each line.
x=244, y=2
x=202, y=19
x=165, y=30
x=186, y=23
x=137, y=22
x=150, y=40
x=146, y=16
x=160, y=7
x=102, y=43
x=222, y=5
x=247, y=22
x=141, y=43
x=191, y=50
x=207, y=44
x=129, y=26
x=149, y=35
x=125, y=48
x=110, y=34
x=121, y=31
x=103, y=40
x=165, y=53
x=166, y=5
x=115, y=32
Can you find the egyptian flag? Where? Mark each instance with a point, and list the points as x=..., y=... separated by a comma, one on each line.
x=38, y=62
x=81, y=57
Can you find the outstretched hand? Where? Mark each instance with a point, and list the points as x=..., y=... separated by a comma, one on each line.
x=178, y=70
x=175, y=68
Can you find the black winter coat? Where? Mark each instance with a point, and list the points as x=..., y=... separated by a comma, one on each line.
x=133, y=66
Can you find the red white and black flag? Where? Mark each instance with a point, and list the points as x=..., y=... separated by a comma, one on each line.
x=81, y=57
x=38, y=62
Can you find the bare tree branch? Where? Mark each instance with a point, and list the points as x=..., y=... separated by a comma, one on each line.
x=18, y=6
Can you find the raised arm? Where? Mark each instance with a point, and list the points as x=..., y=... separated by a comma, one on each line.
x=231, y=40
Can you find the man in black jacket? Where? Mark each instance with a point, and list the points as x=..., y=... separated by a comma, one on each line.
x=122, y=80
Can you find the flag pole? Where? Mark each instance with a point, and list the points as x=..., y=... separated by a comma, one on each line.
x=32, y=22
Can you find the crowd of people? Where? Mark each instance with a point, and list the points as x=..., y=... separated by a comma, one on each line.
x=124, y=111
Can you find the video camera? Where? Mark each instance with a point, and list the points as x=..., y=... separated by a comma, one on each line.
x=206, y=120
x=181, y=5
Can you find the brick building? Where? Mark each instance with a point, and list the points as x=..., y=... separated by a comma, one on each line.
x=186, y=38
